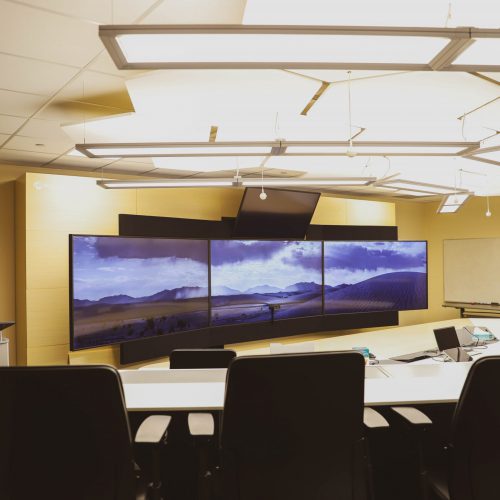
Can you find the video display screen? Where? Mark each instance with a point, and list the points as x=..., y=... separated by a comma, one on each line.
x=128, y=288
x=256, y=280
x=369, y=276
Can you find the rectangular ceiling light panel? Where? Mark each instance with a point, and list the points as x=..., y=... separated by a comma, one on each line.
x=281, y=148
x=173, y=149
x=278, y=47
x=375, y=150
x=340, y=181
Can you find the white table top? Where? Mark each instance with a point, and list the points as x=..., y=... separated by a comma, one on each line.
x=427, y=381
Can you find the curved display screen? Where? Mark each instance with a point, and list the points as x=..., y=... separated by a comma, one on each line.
x=255, y=280
x=369, y=276
x=129, y=288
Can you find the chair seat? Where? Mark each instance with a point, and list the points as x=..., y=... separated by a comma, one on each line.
x=438, y=483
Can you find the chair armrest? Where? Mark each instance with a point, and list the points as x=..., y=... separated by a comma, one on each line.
x=153, y=429
x=372, y=419
x=412, y=415
x=201, y=424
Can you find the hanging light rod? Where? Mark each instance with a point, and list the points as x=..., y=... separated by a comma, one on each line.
x=236, y=182
x=302, y=47
x=274, y=148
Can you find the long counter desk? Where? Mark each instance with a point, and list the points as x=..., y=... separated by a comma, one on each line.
x=424, y=382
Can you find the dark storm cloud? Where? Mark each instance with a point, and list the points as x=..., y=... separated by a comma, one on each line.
x=149, y=248
x=230, y=251
x=310, y=260
x=354, y=257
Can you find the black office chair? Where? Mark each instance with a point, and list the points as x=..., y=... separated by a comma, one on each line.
x=64, y=434
x=473, y=452
x=293, y=428
x=201, y=358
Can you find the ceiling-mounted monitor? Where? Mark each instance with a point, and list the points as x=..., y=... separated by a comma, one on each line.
x=284, y=214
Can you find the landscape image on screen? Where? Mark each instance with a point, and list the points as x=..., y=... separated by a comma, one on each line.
x=364, y=276
x=264, y=280
x=130, y=288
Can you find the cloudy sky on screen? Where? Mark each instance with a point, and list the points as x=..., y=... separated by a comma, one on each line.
x=139, y=267
x=244, y=264
x=353, y=262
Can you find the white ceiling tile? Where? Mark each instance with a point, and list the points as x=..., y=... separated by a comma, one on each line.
x=334, y=75
x=480, y=13
x=98, y=88
x=129, y=167
x=171, y=173
x=104, y=64
x=43, y=128
x=134, y=127
x=29, y=32
x=32, y=76
x=74, y=111
x=25, y=157
x=208, y=95
x=3, y=138
x=19, y=104
x=82, y=162
x=9, y=124
x=197, y=12
x=42, y=144
x=98, y=11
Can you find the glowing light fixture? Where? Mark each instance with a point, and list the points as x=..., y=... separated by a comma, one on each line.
x=236, y=182
x=290, y=47
x=273, y=148
x=452, y=203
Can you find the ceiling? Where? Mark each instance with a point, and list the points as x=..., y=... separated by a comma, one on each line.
x=59, y=87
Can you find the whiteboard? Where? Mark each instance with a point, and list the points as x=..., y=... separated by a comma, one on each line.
x=471, y=270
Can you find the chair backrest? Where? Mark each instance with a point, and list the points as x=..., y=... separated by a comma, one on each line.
x=64, y=433
x=201, y=358
x=475, y=439
x=292, y=427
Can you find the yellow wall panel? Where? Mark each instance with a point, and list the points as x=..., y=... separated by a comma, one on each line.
x=48, y=355
x=108, y=355
x=7, y=264
x=330, y=211
x=74, y=204
x=370, y=213
x=183, y=202
x=48, y=265
x=20, y=237
x=47, y=314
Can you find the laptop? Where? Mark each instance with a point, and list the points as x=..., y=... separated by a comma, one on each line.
x=446, y=338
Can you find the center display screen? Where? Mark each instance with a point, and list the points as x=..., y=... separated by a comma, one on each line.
x=255, y=280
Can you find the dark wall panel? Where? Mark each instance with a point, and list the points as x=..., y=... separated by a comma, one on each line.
x=173, y=227
x=156, y=347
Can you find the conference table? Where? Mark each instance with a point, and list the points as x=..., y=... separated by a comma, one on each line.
x=422, y=382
